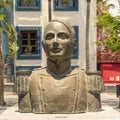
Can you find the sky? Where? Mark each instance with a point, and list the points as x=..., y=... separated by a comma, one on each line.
x=115, y=11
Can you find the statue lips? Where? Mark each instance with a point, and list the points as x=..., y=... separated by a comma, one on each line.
x=56, y=50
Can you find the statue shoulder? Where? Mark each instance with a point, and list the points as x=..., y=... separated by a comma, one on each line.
x=78, y=70
x=38, y=71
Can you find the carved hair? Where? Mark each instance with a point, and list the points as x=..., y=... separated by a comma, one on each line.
x=67, y=25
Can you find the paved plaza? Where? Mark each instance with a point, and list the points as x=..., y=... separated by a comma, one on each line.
x=110, y=111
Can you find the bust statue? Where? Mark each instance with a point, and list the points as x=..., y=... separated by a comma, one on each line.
x=59, y=88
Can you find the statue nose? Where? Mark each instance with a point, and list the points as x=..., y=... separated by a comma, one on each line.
x=55, y=45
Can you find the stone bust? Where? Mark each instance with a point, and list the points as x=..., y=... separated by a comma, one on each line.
x=59, y=88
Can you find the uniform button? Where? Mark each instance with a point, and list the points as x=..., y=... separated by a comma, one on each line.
x=45, y=105
x=43, y=89
x=72, y=107
x=74, y=89
x=75, y=77
x=41, y=78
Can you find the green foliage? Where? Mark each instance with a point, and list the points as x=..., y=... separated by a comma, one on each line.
x=11, y=33
x=7, y=28
x=27, y=2
x=110, y=30
x=1, y=16
x=5, y=4
x=103, y=7
x=65, y=2
x=13, y=48
x=28, y=49
x=12, y=38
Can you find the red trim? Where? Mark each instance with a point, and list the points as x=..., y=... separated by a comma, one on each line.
x=111, y=82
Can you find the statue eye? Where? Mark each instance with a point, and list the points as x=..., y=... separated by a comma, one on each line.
x=49, y=36
x=63, y=35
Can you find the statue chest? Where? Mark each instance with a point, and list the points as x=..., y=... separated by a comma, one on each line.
x=60, y=95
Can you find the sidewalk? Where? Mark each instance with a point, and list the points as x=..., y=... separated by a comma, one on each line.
x=110, y=111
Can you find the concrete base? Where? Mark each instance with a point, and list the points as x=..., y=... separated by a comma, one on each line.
x=107, y=113
x=110, y=88
x=110, y=111
x=8, y=86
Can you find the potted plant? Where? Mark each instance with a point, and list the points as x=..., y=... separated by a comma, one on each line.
x=28, y=50
x=65, y=3
x=27, y=2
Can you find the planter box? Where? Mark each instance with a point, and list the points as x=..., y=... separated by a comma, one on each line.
x=110, y=72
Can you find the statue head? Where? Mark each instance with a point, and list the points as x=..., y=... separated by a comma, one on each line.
x=58, y=40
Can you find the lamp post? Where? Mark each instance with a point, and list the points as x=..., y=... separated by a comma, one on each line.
x=49, y=10
x=87, y=34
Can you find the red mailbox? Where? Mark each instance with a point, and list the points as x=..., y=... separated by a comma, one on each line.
x=110, y=72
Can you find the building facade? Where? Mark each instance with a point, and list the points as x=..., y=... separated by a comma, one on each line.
x=30, y=16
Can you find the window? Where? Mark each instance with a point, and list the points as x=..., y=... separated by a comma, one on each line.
x=26, y=67
x=28, y=42
x=24, y=5
x=27, y=3
x=66, y=5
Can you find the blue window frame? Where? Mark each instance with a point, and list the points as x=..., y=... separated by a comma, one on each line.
x=66, y=5
x=29, y=36
x=28, y=5
x=75, y=54
x=26, y=67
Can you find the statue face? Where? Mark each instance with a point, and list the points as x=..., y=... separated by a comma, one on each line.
x=57, y=42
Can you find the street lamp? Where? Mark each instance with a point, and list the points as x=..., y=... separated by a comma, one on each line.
x=49, y=10
x=87, y=34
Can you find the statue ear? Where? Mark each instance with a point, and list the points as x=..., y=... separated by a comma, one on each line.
x=75, y=43
x=43, y=45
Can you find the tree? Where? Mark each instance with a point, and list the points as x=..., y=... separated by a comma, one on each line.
x=11, y=33
x=3, y=5
x=102, y=10
x=87, y=34
x=103, y=7
x=110, y=38
x=12, y=38
x=1, y=76
x=107, y=31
